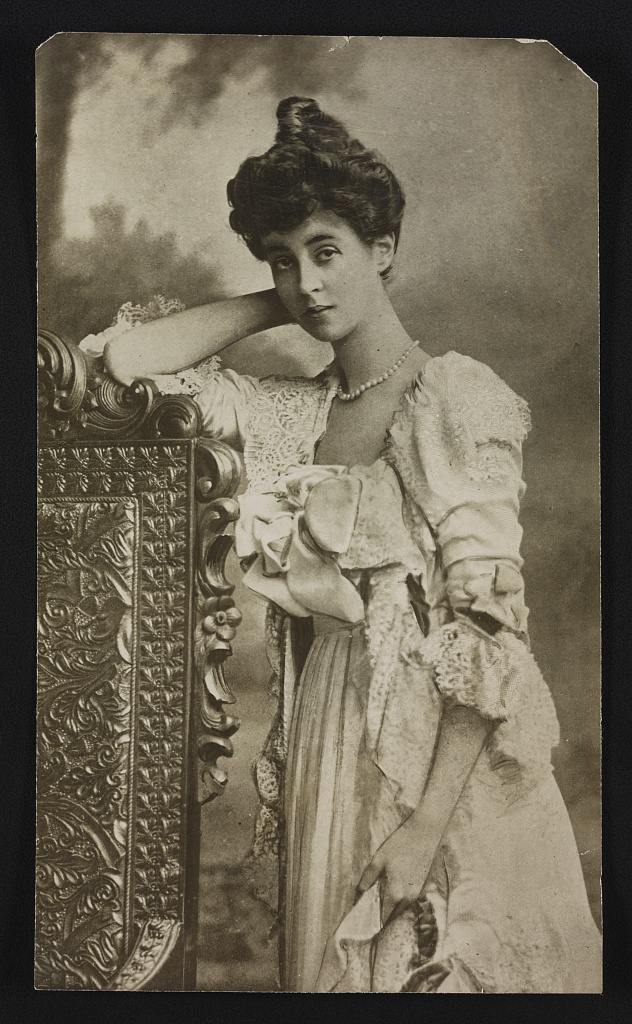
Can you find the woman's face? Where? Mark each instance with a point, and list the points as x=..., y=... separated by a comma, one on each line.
x=326, y=276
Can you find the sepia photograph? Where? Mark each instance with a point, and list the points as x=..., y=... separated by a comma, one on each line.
x=318, y=696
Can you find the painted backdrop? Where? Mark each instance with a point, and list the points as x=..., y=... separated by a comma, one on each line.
x=495, y=143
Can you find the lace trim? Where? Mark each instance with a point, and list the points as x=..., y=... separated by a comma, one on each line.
x=469, y=670
x=262, y=863
x=490, y=465
x=403, y=707
x=501, y=680
x=286, y=419
x=273, y=629
x=154, y=310
x=482, y=410
x=190, y=381
x=184, y=382
x=531, y=729
x=480, y=399
x=376, y=539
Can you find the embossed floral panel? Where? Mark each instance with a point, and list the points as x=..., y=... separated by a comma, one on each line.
x=115, y=632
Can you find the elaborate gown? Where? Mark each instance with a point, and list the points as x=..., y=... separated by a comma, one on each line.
x=408, y=574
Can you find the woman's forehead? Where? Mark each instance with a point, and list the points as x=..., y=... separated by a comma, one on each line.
x=320, y=225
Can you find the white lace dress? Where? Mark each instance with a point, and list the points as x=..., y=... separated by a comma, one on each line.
x=418, y=557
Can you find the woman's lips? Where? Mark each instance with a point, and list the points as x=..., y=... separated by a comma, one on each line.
x=316, y=312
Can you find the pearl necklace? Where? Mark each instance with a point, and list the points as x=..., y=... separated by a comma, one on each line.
x=348, y=397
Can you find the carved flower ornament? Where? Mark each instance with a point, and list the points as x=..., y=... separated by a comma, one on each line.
x=220, y=622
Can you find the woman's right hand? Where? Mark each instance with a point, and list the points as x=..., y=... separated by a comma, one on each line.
x=402, y=863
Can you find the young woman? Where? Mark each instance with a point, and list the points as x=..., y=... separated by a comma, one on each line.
x=424, y=843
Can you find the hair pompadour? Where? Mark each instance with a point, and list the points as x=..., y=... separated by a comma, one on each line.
x=313, y=163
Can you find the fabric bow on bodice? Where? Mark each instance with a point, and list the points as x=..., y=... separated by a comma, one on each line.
x=317, y=523
x=317, y=529
x=296, y=532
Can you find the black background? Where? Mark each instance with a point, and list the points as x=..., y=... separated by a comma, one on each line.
x=598, y=38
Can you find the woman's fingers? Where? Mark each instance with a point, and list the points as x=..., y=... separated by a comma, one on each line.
x=389, y=906
x=395, y=898
x=370, y=874
x=394, y=895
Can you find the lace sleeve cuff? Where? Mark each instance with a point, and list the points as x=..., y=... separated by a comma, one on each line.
x=499, y=678
x=472, y=670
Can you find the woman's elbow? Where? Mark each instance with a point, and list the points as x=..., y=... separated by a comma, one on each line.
x=117, y=362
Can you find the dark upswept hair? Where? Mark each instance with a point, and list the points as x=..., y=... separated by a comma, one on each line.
x=313, y=163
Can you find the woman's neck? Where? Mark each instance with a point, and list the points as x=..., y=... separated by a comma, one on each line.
x=372, y=347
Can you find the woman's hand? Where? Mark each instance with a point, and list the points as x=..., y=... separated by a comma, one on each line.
x=405, y=858
x=403, y=863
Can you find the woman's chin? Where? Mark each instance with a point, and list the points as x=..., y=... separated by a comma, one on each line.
x=327, y=333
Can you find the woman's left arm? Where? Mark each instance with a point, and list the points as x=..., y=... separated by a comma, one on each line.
x=405, y=859
x=457, y=449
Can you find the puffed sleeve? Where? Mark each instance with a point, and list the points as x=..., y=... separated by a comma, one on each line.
x=223, y=397
x=224, y=401
x=467, y=438
x=457, y=447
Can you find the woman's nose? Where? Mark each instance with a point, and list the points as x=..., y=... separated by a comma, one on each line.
x=309, y=278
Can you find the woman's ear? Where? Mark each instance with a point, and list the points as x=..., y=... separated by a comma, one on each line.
x=384, y=251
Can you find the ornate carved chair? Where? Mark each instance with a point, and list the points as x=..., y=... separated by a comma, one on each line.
x=135, y=623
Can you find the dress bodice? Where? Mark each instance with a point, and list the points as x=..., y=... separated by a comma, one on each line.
x=423, y=545
x=450, y=474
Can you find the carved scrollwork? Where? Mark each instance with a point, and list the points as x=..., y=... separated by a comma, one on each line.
x=77, y=397
x=114, y=411
x=62, y=383
x=219, y=472
x=115, y=666
x=173, y=416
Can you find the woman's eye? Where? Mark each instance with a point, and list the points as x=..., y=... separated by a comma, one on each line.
x=282, y=263
x=326, y=254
